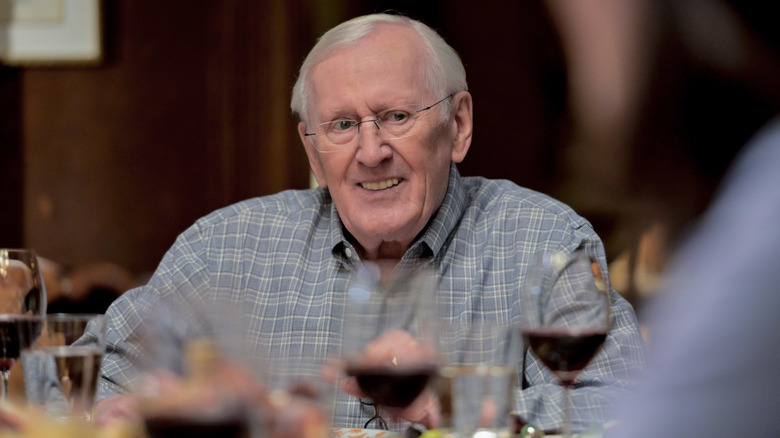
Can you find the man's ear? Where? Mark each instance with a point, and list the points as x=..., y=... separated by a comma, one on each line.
x=463, y=125
x=313, y=154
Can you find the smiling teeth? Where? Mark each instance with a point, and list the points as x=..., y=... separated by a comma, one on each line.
x=380, y=185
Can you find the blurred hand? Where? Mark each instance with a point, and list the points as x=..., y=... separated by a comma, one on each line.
x=393, y=348
x=9, y=420
x=117, y=409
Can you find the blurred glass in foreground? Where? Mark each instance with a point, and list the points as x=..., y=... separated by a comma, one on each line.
x=61, y=370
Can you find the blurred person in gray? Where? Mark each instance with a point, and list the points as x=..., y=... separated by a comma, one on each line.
x=705, y=153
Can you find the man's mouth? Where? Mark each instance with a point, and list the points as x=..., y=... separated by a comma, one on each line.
x=381, y=185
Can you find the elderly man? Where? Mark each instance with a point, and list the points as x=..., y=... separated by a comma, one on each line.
x=385, y=115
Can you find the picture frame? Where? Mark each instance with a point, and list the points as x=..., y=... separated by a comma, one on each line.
x=51, y=32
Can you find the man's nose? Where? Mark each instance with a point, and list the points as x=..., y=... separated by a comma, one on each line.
x=371, y=148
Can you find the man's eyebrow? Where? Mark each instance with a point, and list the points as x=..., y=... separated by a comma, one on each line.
x=376, y=108
x=336, y=112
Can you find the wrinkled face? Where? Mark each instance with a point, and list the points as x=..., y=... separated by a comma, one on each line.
x=385, y=190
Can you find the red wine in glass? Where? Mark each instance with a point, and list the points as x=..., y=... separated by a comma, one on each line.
x=395, y=387
x=17, y=332
x=564, y=352
x=173, y=426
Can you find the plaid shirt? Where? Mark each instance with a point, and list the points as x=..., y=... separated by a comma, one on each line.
x=285, y=262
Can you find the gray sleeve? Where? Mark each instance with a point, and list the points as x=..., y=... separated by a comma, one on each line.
x=147, y=327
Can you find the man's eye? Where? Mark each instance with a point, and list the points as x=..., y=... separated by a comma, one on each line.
x=396, y=117
x=342, y=125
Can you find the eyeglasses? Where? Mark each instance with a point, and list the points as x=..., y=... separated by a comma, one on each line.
x=380, y=422
x=392, y=124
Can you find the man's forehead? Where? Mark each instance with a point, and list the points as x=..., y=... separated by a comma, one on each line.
x=385, y=41
x=381, y=68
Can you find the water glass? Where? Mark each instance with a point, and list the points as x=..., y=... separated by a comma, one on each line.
x=61, y=370
x=477, y=380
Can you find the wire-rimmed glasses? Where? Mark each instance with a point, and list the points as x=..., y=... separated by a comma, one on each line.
x=381, y=423
x=391, y=124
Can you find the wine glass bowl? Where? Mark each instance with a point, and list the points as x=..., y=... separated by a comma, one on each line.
x=392, y=378
x=565, y=311
x=22, y=307
x=384, y=347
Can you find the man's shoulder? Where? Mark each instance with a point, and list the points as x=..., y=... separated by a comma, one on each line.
x=288, y=204
x=504, y=195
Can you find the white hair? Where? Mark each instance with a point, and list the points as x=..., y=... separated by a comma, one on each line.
x=443, y=71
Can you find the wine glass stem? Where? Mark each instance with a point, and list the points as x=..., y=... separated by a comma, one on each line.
x=5, y=375
x=566, y=411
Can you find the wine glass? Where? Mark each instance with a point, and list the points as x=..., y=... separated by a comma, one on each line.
x=191, y=384
x=565, y=311
x=384, y=347
x=22, y=307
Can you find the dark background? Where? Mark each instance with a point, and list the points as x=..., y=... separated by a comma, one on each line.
x=189, y=111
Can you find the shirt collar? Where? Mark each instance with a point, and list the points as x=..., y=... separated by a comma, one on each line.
x=447, y=217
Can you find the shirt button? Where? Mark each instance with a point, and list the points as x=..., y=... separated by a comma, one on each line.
x=348, y=253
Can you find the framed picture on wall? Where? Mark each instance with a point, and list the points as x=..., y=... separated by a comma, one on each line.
x=51, y=32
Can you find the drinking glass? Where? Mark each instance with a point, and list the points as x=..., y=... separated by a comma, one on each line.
x=184, y=379
x=196, y=375
x=299, y=397
x=565, y=315
x=476, y=383
x=384, y=348
x=22, y=307
x=61, y=370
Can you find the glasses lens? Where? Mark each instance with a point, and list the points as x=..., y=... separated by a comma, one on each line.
x=339, y=131
x=397, y=122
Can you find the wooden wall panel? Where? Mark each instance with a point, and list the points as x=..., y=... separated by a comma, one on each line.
x=190, y=112
x=123, y=157
x=11, y=159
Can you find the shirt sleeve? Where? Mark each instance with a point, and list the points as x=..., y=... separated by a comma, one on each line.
x=147, y=325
